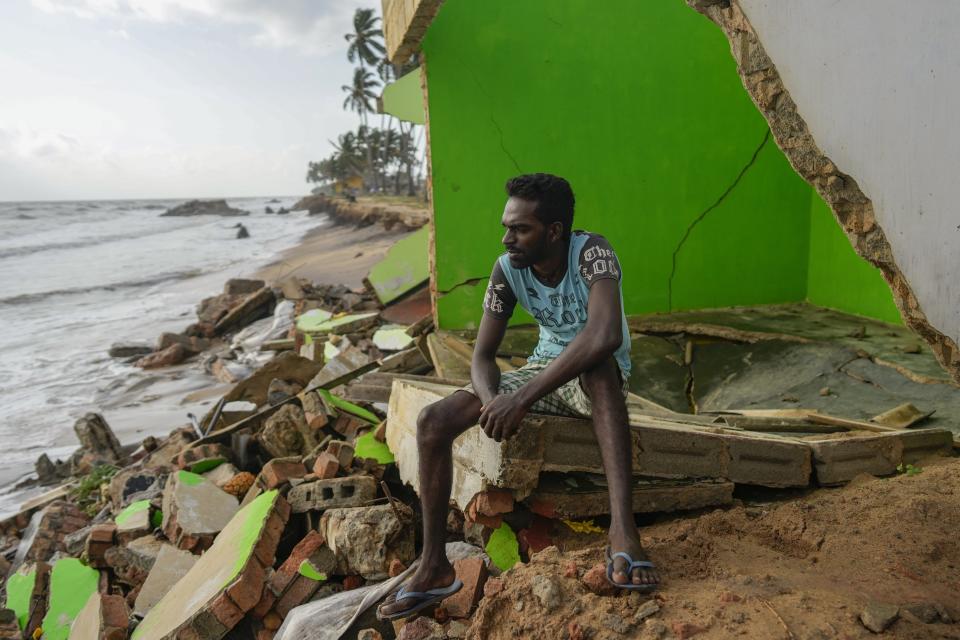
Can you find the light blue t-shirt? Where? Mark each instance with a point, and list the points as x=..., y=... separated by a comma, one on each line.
x=561, y=311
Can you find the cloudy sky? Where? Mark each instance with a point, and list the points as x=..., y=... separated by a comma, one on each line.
x=169, y=98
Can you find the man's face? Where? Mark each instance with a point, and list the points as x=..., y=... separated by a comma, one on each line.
x=526, y=238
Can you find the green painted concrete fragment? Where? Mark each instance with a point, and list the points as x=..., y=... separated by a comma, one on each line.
x=19, y=590
x=214, y=571
x=71, y=583
x=189, y=479
x=392, y=337
x=307, y=570
x=404, y=267
x=206, y=465
x=133, y=508
x=310, y=320
x=349, y=407
x=503, y=548
x=330, y=325
x=367, y=446
x=403, y=99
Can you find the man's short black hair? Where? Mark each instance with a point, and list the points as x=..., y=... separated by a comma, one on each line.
x=553, y=196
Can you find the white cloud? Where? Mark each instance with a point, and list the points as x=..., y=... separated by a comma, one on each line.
x=310, y=26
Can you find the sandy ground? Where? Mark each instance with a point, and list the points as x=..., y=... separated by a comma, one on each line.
x=801, y=569
x=333, y=254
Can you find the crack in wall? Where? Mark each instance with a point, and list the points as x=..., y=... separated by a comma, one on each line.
x=496, y=124
x=471, y=282
x=851, y=207
x=703, y=214
x=504, y=147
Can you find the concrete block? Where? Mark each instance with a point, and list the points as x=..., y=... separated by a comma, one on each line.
x=352, y=491
x=554, y=500
x=839, y=457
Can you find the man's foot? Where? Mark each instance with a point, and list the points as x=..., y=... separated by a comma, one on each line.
x=630, y=545
x=425, y=579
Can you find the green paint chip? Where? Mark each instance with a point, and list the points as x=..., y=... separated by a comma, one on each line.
x=367, y=446
x=189, y=479
x=349, y=407
x=71, y=583
x=306, y=569
x=131, y=510
x=19, y=589
x=503, y=548
x=206, y=465
x=157, y=519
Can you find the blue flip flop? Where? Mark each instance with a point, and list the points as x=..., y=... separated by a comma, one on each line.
x=632, y=564
x=424, y=598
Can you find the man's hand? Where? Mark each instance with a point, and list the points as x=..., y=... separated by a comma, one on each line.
x=500, y=418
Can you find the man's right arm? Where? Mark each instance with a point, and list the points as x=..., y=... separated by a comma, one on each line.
x=498, y=305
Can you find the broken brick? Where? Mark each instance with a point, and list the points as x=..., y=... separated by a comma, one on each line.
x=352, y=582
x=342, y=451
x=279, y=471
x=472, y=572
x=100, y=539
x=492, y=587
x=327, y=466
x=493, y=502
x=596, y=580
x=396, y=568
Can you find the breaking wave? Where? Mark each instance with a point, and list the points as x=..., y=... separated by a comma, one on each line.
x=28, y=298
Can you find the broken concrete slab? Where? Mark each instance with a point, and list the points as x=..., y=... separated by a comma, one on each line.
x=96, y=437
x=251, y=308
x=203, y=458
x=838, y=458
x=402, y=269
x=170, y=566
x=352, y=491
x=349, y=360
x=26, y=594
x=367, y=539
x=349, y=323
x=391, y=337
x=195, y=510
x=134, y=521
x=226, y=582
x=71, y=584
x=447, y=362
x=556, y=498
x=902, y=416
x=129, y=482
x=285, y=365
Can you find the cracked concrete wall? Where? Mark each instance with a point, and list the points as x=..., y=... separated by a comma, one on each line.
x=859, y=96
x=640, y=107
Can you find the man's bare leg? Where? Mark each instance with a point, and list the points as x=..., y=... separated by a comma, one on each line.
x=611, y=426
x=437, y=427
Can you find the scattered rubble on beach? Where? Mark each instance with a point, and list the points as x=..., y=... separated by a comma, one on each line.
x=298, y=489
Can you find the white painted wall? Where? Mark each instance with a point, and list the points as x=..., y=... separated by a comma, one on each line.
x=878, y=83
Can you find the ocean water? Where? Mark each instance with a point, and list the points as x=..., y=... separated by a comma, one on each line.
x=76, y=277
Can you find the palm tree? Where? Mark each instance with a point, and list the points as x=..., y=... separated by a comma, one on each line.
x=364, y=43
x=360, y=94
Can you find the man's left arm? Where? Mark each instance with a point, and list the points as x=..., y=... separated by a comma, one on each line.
x=599, y=339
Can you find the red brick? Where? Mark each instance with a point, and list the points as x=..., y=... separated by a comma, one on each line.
x=326, y=466
x=492, y=587
x=543, y=508
x=279, y=471
x=114, y=617
x=247, y=589
x=493, y=502
x=267, y=599
x=473, y=573
x=225, y=611
x=538, y=536
x=342, y=451
x=570, y=570
x=352, y=582
x=103, y=532
x=291, y=566
x=596, y=580
x=297, y=592
x=396, y=568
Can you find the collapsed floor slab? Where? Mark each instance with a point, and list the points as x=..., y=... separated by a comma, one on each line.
x=677, y=446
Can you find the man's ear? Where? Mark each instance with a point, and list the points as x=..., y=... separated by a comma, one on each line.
x=555, y=231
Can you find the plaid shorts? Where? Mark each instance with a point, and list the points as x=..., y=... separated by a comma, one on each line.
x=569, y=399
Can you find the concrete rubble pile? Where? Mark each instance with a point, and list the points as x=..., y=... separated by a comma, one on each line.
x=300, y=483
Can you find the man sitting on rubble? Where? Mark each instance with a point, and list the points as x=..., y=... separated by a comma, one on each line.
x=570, y=282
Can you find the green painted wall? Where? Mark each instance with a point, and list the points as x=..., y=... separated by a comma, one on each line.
x=639, y=105
x=838, y=277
